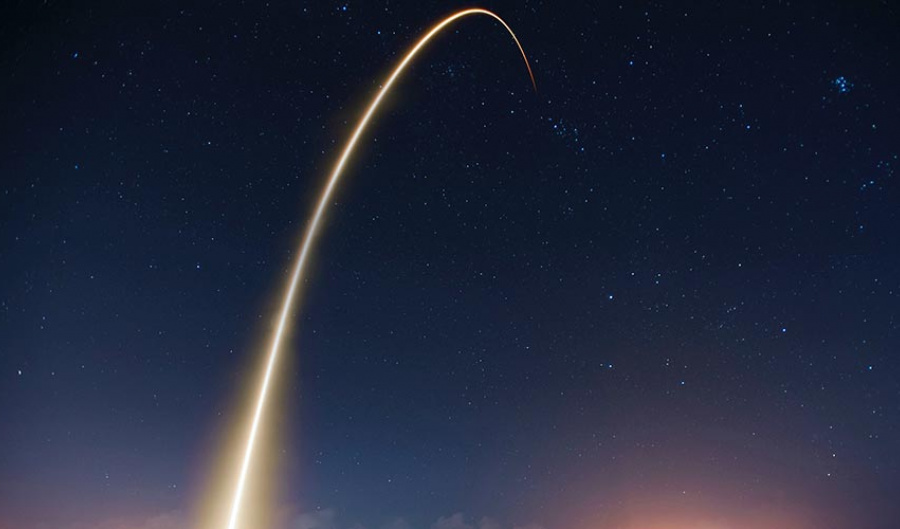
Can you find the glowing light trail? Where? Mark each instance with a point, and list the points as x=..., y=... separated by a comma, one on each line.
x=312, y=231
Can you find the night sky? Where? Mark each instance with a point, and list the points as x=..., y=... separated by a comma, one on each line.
x=663, y=292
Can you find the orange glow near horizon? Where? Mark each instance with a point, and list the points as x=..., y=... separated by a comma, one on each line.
x=661, y=510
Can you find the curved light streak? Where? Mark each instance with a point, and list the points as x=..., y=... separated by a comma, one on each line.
x=313, y=229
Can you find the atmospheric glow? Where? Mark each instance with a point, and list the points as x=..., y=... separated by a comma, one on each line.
x=312, y=231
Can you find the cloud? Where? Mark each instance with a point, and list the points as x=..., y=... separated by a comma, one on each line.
x=321, y=519
x=165, y=520
x=488, y=523
x=317, y=519
x=458, y=521
x=455, y=521
x=171, y=520
x=397, y=523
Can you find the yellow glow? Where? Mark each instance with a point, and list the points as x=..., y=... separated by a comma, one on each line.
x=312, y=231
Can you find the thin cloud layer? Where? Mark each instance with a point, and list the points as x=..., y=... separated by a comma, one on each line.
x=318, y=519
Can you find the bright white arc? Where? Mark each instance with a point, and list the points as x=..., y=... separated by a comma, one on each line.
x=312, y=231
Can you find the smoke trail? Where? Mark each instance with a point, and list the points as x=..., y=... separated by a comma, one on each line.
x=312, y=232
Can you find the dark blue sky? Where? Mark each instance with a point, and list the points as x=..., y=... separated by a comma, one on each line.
x=665, y=286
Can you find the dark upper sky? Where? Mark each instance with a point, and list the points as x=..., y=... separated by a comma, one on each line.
x=665, y=289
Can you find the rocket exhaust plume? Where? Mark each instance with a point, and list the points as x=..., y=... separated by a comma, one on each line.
x=312, y=232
